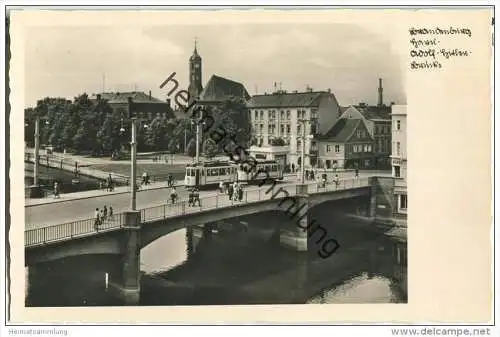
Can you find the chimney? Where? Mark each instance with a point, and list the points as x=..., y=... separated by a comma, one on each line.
x=149, y=94
x=380, y=93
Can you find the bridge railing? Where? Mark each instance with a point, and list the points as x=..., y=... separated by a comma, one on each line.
x=80, y=228
x=69, y=230
x=332, y=186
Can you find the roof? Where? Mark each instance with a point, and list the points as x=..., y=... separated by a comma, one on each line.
x=284, y=99
x=342, y=130
x=195, y=56
x=122, y=97
x=222, y=89
x=375, y=112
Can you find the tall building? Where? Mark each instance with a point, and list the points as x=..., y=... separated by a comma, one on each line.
x=195, y=80
x=398, y=158
x=278, y=115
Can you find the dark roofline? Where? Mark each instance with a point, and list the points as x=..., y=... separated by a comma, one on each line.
x=293, y=93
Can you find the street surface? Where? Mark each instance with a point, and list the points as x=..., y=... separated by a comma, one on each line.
x=80, y=209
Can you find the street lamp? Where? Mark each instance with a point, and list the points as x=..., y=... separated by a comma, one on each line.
x=199, y=135
x=34, y=190
x=302, y=152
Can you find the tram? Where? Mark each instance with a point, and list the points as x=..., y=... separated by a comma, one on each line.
x=210, y=173
x=213, y=172
x=273, y=169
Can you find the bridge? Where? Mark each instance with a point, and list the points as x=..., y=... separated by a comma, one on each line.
x=125, y=234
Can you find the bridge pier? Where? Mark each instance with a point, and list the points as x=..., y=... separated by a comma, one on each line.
x=297, y=238
x=127, y=281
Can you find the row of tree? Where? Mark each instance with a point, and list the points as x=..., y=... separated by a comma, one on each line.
x=88, y=126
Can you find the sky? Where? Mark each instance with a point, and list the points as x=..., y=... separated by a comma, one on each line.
x=348, y=59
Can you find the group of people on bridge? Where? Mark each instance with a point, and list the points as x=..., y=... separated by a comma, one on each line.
x=103, y=214
x=234, y=191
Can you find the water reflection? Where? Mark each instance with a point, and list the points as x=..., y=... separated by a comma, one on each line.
x=236, y=263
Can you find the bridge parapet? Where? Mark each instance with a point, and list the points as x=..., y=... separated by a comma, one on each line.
x=81, y=228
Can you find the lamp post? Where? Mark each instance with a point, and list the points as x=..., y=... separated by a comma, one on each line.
x=34, y=190
x=185, y=138
x=199, y=136
x=133, y=165
x=303, y=148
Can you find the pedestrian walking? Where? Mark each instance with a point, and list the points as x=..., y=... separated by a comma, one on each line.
x=110, y=183
x=356, y=172
x=230, y=191
x=197, y=196
x=97, y=219
x=170, y=180
x=336, y=180
x=104, y=212
x=221, y=187
x=240, y=193
x=191, y=198
x=56, y=190
x=110, y=212
x=173, y=195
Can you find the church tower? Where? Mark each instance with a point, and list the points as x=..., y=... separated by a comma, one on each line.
x=195, y=86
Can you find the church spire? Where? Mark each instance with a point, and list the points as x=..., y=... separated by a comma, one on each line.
x=195, y=86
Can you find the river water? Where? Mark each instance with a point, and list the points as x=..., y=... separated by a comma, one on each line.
x=237, y=266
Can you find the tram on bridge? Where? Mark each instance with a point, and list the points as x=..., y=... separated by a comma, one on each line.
x=211, y=173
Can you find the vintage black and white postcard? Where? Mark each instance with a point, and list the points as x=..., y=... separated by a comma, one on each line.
x=250, y=165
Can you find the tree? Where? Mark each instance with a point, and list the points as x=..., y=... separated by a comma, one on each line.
x=182, y=131
x=210, y=149
x=85, y=138
x=231, y=117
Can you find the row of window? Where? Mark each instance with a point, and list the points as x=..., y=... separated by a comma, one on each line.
x=382, y=145
x=357, y=148
x=271, y=128
x=397, y=146
x=361, y=133
x=397, y=124
x=330, y=147
x=272, y=114
x=143, y=115
x=382, y=129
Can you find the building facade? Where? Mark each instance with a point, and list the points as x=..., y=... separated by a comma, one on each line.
x=146, y=107
x=348, y=144
x=288, y=116
x=399, y=158
x=378, y=122
x=220, y=89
